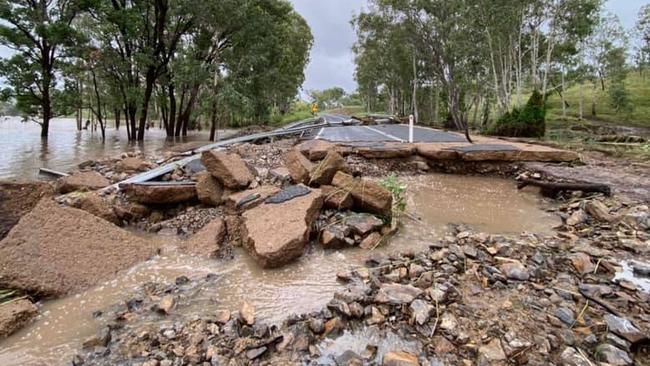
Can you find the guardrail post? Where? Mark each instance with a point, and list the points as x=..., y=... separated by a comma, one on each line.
x=411, y=121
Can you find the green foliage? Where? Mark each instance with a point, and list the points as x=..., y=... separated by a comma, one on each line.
x=528, y=122
x=328, y=98
x=398, y=190
x=620, y=98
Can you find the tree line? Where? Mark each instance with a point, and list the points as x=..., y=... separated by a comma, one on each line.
x=228, y=62
x=472, y=61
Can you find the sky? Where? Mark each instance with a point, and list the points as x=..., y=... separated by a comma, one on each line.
x=332, y=60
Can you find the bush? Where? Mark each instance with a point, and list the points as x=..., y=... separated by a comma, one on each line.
x=529, y=122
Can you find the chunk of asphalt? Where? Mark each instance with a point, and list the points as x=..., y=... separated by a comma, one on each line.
x=288, y=194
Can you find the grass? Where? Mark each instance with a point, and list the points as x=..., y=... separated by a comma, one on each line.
x=639, y=92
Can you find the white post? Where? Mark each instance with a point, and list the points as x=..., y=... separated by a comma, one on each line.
x=411, y=121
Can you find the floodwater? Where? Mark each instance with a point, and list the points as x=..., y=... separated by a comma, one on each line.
x=489, y=204
x=24, y=152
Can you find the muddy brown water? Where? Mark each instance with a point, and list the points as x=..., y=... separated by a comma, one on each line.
x=488, y=204
x=24, y=152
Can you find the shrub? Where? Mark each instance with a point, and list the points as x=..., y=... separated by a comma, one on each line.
x=528, y=122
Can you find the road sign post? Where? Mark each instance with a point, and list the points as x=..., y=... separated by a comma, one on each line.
x=411, y=121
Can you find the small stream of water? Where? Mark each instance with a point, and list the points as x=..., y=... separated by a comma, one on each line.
x=488, y=204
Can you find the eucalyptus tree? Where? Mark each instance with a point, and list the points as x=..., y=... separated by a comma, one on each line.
x=41, y=35
x=643, y=31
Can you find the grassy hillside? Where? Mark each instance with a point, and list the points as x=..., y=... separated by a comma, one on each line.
x=639, y=92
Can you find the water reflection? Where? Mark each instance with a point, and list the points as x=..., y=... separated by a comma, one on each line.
x=24, y=152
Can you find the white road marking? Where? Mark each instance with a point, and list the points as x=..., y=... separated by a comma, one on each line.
x=319, y=133
x=384, y=134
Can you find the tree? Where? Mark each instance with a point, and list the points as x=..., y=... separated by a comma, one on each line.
x=41, y=34
x=328, y=98
x=643, y=31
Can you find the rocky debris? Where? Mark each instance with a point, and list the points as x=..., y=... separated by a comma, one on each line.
x=166, y=304
x=363, y=224
x=400, y=358
x=582, y=263
x=368, y=196
x=247, y=313
x=299, y=166
x=274, y=247
x=208, y=189
x=371, y=241
x=599, y=211
x=336, y=237
x=288, y=193
x=132, y=165
x=82, y=181
x=515, y=271
x=316, y=150
x=624, y=328
x=229, y=169
x=339, y=230
x=397, y=294
x=159, y=193
x=251, y=198
x=14, y=315
x=281, y=174
x=323, y=172
x=208, y=241
x=70, y=251
x=421, y=310
x=96, y=204
x=492, y=352
x=101, y=339
x=336, y=198
x=577, y=217
x=18, y=198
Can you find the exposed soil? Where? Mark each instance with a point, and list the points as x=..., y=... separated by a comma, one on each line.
x=18, y=198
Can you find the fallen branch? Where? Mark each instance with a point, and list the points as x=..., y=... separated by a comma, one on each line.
x=552, y=189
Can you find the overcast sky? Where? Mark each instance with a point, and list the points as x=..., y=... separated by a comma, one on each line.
x=332, y=60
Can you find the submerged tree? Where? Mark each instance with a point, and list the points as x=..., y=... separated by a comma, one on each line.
x=41, y=34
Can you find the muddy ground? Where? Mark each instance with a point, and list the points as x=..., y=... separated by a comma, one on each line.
x=577, y=297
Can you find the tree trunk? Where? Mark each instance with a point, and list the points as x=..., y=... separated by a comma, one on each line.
x=582, y=101
x=415, y=90
x=562, y=96
x=593, y=100
x=117, y=118
x=148, y=90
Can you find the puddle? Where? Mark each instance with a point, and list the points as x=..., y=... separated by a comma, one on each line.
x=627, y=273
x=489, y=204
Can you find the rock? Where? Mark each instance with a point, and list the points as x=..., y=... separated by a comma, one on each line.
x=599, y=211
x=101, y=339
x=251, y=198
x=323, y=172
x=316, y=325
x=492, y=352
x=97, y=205
x=436, y=151
x=222, y=317
x=376, y=317
x=131, y=165
x=384, y=150
x=276, y=234
x=420, y=311
x=515, y=271
x=571, y=357
x=368, y=196
x=166, y=304
x=288, y=193
x=159, y=192
x=336, y=198
x=334, y=327
x=624, y=328
x=371, y=241
x=254, y=353
x=577, y=217
x=566, y=315
x=208, y=189
x=612, y=355
x=363, y=224
x=14, y=315
x=582, y=263
x=84, y=181
x=448, y=323
x=299, y=166
x=349, y=358
x=229, y=169
x=247, y=313
x=56, y=250
x=397, y=294
x=130, y=211
x=333, y=236
x=282, y=174
x=339, y=307
x=316, y=150
x=207, y=241
x=18, y=198
x=400, y=358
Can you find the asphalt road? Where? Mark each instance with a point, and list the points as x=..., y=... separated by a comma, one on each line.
x=385, y=133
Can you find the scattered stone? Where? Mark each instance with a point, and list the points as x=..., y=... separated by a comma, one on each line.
x=251, y=198
x=96, y=204
x=612, y=355
x=336, y=198
x=371, y=241
x=166, y=304
x=492, y=352
x=334, y=327
x=577, y=217
x=363, y=224
x=624, y=328
x=582, y=263
x=272, y=247
x=316, y=325
x=316, y=149
x=566, y=315
x=247, y=313
x=571, y=357
x=101, y=339
x=349, y=358
x=208, y=189
x=82, y=181
x=159, y=193
x=222, y=317
x=289, y=193
x=323, y=172
x=333, y=236
x=400, y=358
x=299, y=166
x=70, y=251
x=420, y=311
x=515, y=271
x=14, y=315
x=599, y=211
x=131, y=165
x=229, y=169
x=282, y=174
x=448, y=323
x=254, y=353
x=376, y=317
x=368, y=196
x=397, y=294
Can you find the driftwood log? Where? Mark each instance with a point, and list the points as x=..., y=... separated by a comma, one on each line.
x=552, y=189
